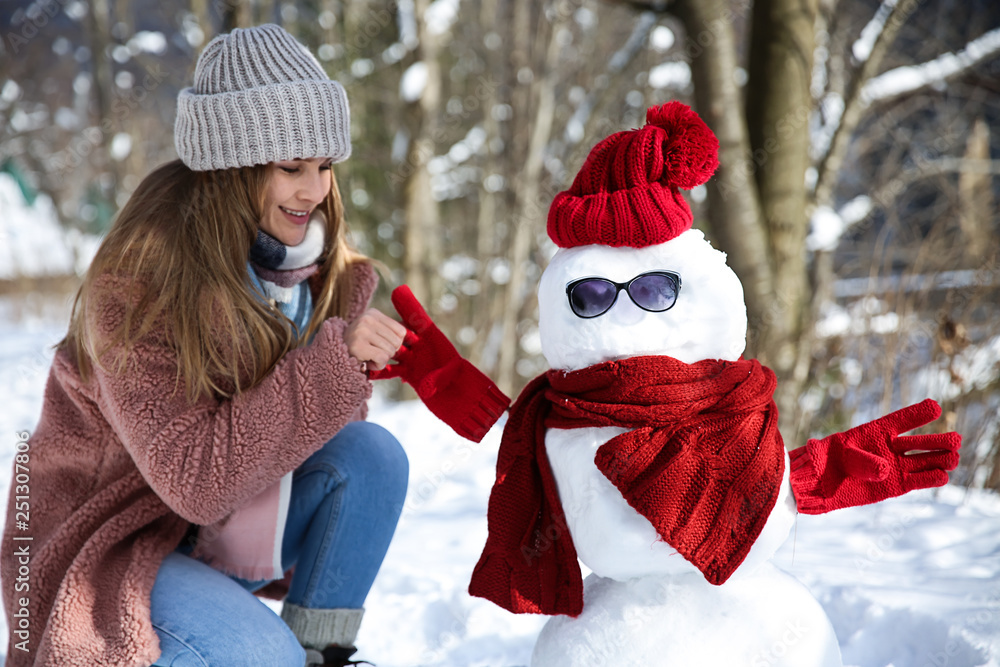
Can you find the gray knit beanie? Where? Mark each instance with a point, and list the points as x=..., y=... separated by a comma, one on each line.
x=260, y=96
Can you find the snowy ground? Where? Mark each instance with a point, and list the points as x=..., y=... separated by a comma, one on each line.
x=913, y=582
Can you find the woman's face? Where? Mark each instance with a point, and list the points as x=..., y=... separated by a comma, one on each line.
x=294, y=189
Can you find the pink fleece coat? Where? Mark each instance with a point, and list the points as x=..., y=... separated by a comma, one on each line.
x=121, y=464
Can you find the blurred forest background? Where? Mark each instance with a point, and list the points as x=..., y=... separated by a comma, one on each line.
x=856, y=198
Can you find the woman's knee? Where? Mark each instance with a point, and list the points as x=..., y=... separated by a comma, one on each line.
x=363, y=456
x=369, y=453
x=383, y=445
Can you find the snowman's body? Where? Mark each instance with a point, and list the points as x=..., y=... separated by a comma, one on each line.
x=764, y=619
x=645, y=604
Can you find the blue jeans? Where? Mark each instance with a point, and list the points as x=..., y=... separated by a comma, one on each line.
x=346, y=499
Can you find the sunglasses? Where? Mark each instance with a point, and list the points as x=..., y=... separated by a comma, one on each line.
x=655, y=291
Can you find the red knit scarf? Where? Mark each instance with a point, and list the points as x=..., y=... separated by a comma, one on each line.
x=703, y=463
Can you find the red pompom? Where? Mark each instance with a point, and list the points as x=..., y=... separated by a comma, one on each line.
x=690, y=149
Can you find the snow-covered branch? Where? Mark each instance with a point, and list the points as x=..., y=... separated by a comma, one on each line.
x=908, y=79
x=862, y=47
x=869, y=49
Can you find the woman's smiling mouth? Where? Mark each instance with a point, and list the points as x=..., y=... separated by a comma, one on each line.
x=298, y=217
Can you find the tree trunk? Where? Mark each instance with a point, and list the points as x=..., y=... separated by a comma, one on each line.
x=99, y=32
x=200, y=9
x=779, y=104
x=265, y=11
x=734, y=210
x=422, y=237
x=490, y=313
x=975, y=195
x=529, y=213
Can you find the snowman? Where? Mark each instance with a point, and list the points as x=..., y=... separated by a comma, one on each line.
x=650, y=452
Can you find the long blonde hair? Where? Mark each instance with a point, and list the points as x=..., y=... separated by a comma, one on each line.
x=182, y=242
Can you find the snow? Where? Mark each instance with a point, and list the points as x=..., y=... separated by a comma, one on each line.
x=826, y=228
x=193, y=33
x=661, y=38
x=670, y=75
x=458, y=267
x=914, y=581
x=147, y=41
x=362, y=67
x=684, y=620
x=76, y=10
x=31, y=241
x=440, y=15
x=911, y=582
x=124, y=80
x=823, y=124
x=407, y=21
x=10, y=92
x=574, y=129
x=858, y=318
x=856, y=210
x=121, y=146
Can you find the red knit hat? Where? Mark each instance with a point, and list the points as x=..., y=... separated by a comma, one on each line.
x=628, y=191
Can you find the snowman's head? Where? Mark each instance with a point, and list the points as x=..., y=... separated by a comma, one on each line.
x=624, y=217
x=707, y=321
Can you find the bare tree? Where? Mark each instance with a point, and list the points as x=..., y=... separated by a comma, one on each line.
x=422, y=238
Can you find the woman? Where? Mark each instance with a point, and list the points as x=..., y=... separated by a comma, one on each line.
x=202, y=429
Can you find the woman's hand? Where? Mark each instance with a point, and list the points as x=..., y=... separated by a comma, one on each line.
x=373, y=339
x=457, y=392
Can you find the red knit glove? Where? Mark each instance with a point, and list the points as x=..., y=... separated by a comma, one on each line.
x=452, y=388
x=870, y=463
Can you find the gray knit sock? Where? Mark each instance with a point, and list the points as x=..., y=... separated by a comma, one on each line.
x=318, y=628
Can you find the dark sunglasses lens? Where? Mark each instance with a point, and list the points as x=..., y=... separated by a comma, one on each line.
x=653, y=291
x=590, y=298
